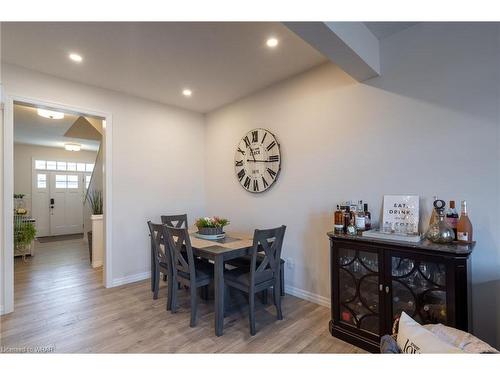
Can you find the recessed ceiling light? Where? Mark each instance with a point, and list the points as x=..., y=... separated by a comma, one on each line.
x=272, y=42
x=76, y=57
x=187, y=92
x=72, y=146
x=53, y=115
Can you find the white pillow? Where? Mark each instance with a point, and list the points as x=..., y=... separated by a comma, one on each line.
x=415, y=339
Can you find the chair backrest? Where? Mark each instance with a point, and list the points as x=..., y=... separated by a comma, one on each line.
x=180, y=250
x=175, y=221
x=158, y=243
x=270, y=241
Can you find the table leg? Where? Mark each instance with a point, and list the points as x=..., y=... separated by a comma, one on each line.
x=219, y=294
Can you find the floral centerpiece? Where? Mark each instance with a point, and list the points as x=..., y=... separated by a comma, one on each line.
x=211, y=225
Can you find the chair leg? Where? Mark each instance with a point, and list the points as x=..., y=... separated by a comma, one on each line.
x=194, y=305
x=251, y=315
x=204, y=292
x=282, y=279
x=277, y=300
x=157, y=284
x=263, y=296
x=169, y=292
x=173, y=307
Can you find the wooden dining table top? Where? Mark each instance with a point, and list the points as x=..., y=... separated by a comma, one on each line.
x=233, y=241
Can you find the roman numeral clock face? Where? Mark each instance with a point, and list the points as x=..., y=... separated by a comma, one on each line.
x=257, y=160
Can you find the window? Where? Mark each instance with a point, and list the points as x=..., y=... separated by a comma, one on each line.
x=72, y=181
x=39, y=164
x=61, y=165
x=87, y=181
x=61, y=181
x=71, y=166
x=41, y=181
x=51, y=165
x=89, y=167
x=80, y=167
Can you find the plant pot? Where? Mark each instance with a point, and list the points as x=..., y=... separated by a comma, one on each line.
x=89, y=238
x=210, y=231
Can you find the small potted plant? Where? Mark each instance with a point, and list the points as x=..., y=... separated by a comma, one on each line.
x=24, y=234
x=211, y=225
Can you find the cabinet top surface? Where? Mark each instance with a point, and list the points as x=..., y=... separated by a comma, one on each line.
x=453, y=248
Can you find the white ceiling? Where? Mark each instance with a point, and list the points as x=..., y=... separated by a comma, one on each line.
x=30, y=128
x=220, y=62
x=384, y=29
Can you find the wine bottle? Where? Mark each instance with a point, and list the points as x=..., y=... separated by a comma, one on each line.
x=452, y=217
x=368, y=217
x=464, y=226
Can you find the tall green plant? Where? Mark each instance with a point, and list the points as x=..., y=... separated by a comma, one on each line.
x=94, y=197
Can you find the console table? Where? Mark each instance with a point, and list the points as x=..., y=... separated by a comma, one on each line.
x=373, y=281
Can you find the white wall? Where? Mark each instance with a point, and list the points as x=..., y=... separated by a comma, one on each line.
x=23, y=155
x=429, y=125
x=2, y=271
x=157, y=153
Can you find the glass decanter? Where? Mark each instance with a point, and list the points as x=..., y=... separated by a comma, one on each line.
x=440, y=231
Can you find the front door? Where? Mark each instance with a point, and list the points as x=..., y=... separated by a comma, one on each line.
x=66, y=203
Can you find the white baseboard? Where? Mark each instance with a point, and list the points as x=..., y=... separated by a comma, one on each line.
x=299, y=293
x=308, y=296
x=131, y=278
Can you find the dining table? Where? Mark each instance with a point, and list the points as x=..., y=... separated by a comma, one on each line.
x=232, y=246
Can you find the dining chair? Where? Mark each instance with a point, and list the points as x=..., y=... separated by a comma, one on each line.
x=260, y=277
x=186, y=269
x=161, y=260
x=176, y=221
x=245, y=261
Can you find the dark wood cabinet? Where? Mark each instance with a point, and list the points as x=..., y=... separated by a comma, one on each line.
x=373, y=281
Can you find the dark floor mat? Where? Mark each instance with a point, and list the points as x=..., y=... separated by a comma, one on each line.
x=60, y=238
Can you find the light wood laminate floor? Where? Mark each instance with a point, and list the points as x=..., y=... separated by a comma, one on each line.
x=60, y=303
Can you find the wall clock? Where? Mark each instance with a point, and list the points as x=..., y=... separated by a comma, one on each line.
x=257, y=160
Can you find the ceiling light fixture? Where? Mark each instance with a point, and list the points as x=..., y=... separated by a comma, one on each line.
x=53, y=115
x=272, y=42
x=187, y=92
x=76, y=57
x=72, y=146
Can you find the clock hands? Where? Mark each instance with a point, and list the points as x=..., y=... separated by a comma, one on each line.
x=261, y=161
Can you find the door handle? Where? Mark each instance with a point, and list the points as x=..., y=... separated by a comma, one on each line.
x=387, y=290
x=380, y=287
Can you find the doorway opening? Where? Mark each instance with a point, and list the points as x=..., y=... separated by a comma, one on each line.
x=54, y=166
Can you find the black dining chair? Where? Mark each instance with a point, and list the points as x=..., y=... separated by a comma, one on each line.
x=161, y=260
x=186, y=269
x=175, y=221
x=260, y=276
x=245, y=261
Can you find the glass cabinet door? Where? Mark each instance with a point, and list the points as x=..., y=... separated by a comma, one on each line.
x=359, y=297
x=419, y=289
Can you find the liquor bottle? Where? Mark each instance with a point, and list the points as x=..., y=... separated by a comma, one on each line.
x=351, y=228
x=347, y=218
x=464, y=226
x=360, y=217
x=368, y=217
x=452, y=217
x=338, y=221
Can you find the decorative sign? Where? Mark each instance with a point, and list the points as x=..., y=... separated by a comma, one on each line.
x=400, y=214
